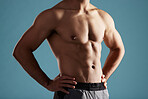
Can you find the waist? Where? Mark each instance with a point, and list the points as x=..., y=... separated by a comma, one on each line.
x=89, y=86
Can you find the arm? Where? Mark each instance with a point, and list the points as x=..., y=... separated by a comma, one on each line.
x=113, y=41
x=30, y=41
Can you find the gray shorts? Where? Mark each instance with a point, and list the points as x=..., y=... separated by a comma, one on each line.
x=84, y=91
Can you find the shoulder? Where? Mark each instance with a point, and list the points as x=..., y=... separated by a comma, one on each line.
x=107, y=18
x=49, y=15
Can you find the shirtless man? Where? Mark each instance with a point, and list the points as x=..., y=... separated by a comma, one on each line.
x=74, y=30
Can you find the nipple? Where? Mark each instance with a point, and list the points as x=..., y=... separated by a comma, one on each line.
x=86, y=12
x=73, y=37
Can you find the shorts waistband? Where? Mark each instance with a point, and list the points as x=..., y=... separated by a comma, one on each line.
x=90, y=86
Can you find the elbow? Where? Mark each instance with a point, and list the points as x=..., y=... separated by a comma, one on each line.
x=15, y=51
x=13, y=54
x=122, y=51
x=18, y=50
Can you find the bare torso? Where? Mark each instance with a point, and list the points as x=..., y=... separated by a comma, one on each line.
x=76, y=43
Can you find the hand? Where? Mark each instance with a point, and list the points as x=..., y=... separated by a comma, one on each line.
x=61, y=81
x=104, y=80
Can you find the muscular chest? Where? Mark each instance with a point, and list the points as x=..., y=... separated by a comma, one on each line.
x=80, y=29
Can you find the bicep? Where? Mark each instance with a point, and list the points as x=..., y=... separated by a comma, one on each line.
x=32, y=38
x=37, y=33
x=112, y=39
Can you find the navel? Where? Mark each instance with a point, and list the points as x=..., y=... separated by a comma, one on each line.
x=73, y=37
x=93, y=66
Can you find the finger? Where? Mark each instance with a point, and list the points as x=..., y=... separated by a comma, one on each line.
x=69, y=81
x=105, y=86
x=67, y=77
x=103, y=80
x=67, y=85
x=105, y=83
x=63, y=90
x=102, y=76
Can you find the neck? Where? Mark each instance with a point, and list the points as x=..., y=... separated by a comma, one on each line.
x=81, y=5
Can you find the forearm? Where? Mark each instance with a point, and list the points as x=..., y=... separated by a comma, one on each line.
x=31, y=66
x=113, y=60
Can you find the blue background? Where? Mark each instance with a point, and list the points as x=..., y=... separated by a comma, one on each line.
x=129, y=81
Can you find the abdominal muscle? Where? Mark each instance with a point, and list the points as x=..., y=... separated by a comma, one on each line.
x=78, y=60
x=82, y=73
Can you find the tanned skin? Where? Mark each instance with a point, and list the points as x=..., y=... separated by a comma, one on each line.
x=74, y=30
